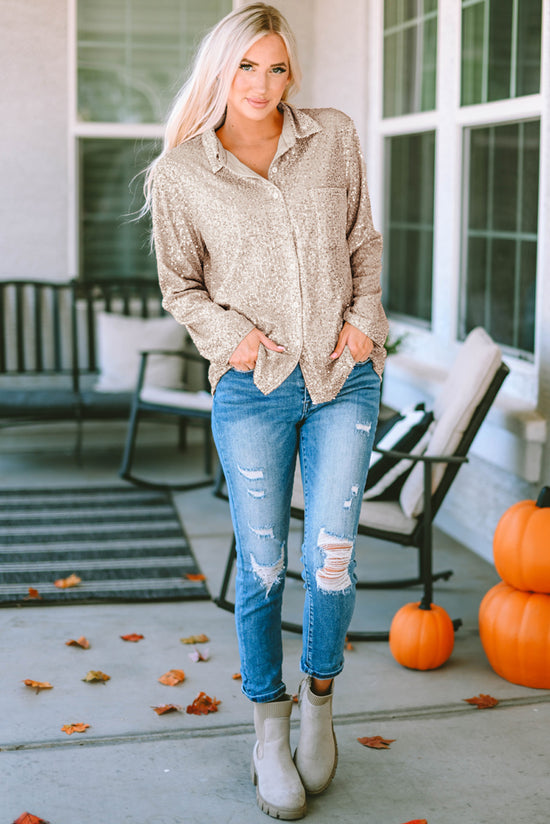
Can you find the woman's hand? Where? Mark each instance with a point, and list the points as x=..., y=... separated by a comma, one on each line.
x=245, y=355
x=357, y=342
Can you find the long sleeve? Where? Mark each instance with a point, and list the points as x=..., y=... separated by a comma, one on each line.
x=365, y=248
x=181, y=258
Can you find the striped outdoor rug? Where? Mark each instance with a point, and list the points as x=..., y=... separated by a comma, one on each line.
x=125, y=544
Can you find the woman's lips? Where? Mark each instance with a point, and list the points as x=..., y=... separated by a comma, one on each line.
x=257, y=103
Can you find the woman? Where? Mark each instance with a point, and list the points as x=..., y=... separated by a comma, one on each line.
x=267, y=253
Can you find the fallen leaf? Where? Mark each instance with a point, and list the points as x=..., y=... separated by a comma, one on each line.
x=203, y=704
x=376, y=742
x=166, y=708
x=64, y=583
x=348, y=645
x=29, y=818
x=133, y=636
x=295, y=698
x=33, y=595
x=482, y=702
x=37, y=685
x=417, y=821
x=236, y=676
x=96, y=675
x=197, y=655
x=70, y=728
x=195, y=576
x=195, y=639
x=172, y=678
x=82, y=642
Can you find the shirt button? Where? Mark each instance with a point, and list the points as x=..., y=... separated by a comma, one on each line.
x=275, y=195
x=274, y=169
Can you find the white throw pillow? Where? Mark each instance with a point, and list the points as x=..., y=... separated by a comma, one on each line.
x=120, y=339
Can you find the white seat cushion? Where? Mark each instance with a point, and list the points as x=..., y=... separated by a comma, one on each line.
x=467, y=382
x=178, y=398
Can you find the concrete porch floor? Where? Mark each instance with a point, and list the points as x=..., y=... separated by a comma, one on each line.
x=450, y=763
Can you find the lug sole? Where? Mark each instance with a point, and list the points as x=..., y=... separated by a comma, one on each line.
x=275, y=812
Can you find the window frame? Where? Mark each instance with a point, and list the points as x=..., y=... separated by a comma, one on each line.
x=436, y=347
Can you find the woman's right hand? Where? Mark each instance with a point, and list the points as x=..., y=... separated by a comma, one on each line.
x=245, y=355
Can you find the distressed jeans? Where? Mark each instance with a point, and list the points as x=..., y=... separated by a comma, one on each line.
x=258, y=437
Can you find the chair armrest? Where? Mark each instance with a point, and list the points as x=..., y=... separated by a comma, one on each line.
x=180, y=353
x=423, y=458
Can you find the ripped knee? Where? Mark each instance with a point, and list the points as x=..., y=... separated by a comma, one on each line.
x=334, y=575
x=269, y=574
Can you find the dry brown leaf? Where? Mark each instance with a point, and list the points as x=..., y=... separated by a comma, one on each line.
x=29, y=818
x=295, y=698
x=236, y=676
x=96, y=675
x=133, y=636
x=172, y=678
x=195, y=576
x=166, y=708
x=195, y=639
x=348, y=645
x=482, y=702
x=37, y=685
x=417, y=821
x=64, y=583
x=70, y=728
x=203, y=704
x=33, y=595
x=197, y=655
x=81, y=642
x=376, y=742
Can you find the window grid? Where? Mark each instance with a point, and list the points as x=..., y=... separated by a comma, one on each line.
x=420, y=91
x=490, y=234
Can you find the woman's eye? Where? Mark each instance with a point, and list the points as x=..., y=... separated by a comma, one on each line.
x=279, y=70
x=245, y=66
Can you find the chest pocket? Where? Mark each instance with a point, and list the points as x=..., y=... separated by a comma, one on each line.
x=331, y=210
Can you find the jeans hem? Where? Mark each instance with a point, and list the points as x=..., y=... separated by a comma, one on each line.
x=265, y=699
x=322, y=676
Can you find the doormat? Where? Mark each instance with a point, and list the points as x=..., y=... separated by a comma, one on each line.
x=123, y=543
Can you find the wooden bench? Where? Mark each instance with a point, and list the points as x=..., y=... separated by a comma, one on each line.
x=49, y=349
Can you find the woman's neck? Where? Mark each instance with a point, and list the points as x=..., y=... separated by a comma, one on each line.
x=240, y=131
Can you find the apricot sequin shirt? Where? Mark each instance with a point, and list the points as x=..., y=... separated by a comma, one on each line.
x=295, y=255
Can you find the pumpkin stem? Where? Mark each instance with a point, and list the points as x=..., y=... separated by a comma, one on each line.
x=544, y=497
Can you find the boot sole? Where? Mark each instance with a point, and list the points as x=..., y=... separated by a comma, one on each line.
x=269, y=809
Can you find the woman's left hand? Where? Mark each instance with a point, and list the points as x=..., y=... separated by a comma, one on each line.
x=357, y=342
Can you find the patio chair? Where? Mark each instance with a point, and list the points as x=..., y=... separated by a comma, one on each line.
x=458, y=412
x=184, y=404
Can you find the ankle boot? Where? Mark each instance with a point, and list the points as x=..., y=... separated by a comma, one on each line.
x=279, y=791
x=317, y=753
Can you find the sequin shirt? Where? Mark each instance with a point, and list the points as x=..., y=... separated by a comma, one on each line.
x=294, y=255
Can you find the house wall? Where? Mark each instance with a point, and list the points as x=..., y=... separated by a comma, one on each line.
x=33, y=140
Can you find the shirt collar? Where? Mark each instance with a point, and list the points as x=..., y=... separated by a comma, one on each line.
x=296, y=126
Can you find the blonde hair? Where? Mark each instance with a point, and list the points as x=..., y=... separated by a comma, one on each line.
x=200, y=103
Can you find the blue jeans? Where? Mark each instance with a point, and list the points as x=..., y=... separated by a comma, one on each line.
x=258, y=437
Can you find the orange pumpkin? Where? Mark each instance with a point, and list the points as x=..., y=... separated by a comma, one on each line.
x=521, y=544
x=514, y=628
x=421, y=639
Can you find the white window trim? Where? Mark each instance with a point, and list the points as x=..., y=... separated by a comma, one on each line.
x=429, y=352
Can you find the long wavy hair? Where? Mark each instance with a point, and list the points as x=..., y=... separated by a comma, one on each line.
x=200, y=103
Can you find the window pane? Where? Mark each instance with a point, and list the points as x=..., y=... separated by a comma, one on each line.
x=133, y=54
x=408, y=243
x=410, y=56
x=499, y=267
x=111, y=245
x=501, y=49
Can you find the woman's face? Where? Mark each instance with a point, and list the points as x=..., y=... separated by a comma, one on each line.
x=260, y=80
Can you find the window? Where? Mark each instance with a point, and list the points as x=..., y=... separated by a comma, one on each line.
x=501, y=44
x=500, y=255
x=132, y=56
x=409, y=230
x=410, y=55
